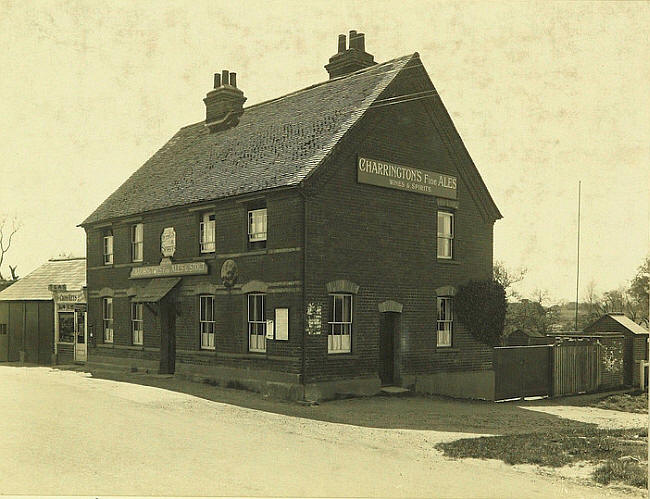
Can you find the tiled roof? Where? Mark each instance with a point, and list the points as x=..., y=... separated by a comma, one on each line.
x=69, y=271
x=276, y=143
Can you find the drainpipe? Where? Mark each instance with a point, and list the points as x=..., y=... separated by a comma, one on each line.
x=304, y=291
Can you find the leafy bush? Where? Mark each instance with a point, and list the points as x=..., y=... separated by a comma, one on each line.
x=481, y=307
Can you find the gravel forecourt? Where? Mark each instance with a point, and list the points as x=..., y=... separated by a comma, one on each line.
x=66, y=433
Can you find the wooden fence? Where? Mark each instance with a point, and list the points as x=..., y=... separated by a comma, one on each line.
x=565, y=368
x=576, y=368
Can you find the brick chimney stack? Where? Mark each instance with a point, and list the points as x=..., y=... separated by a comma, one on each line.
x=353, y=59
x=225, y=103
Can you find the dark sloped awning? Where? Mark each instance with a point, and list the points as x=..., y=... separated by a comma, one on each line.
x=155, y=290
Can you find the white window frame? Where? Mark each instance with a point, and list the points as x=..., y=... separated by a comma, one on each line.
x=107, y=319
x=445, y=237
x=254, y=233
x=256, y=325
x=444, y=321
x=107, y=249
x=206, y=321
x=339, y=336
x=137, y=323
x=137, y=242
x=207, y=233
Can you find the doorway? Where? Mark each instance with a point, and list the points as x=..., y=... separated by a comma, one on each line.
x=167, y=311
x=80, y=336
x=388, y=347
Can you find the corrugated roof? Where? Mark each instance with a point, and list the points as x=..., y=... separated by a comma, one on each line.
x=69, y=271
x=276, y=143
x=628, y=323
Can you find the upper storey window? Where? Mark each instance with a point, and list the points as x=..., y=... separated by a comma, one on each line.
x=107, y=243
x=257, y=228
x=137, y=242
x=445, y=235
x=208, y=232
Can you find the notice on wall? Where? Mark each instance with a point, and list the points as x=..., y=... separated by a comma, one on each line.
x=282, y=324
x=269, y=329
x=406, y=178
x=313, y=319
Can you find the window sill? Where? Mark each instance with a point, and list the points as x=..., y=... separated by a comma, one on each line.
x=342, y=355
x=252, y=252
x=447, y=350
x=203, y=351
x=448, y=261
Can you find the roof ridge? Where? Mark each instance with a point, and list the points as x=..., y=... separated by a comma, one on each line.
x=316, y=85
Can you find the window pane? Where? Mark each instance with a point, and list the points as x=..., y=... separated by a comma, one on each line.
x=338, y=308
x=347, y=308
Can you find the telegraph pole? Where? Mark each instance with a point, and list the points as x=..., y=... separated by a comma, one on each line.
x=578, y=259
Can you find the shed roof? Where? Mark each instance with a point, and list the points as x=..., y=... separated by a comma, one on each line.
x=68, y=271
x=628, y=323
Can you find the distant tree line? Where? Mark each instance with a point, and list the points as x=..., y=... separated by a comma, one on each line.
x=537, y=314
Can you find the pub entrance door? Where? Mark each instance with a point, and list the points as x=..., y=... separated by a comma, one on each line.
x=388, y=333
x=167, y=309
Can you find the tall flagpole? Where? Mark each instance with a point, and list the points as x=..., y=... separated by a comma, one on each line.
x=578, y=259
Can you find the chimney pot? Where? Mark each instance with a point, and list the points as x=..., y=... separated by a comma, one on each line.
x=224, y=105
x=361, y=42
x=341, y=43
x=353, y=59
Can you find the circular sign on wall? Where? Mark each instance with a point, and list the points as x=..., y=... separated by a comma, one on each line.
x=229, y=273
x=168, y=242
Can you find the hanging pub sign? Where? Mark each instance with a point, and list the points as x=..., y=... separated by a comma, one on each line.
x=406, y=178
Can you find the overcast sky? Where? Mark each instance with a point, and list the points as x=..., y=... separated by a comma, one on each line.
x=543, y=95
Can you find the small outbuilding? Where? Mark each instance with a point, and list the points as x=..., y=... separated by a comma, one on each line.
x=635, y=348
x=27, y=311
x=519, y=337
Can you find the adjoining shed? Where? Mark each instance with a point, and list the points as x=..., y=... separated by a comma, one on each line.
x=635, y=345
x=519, y=337
x=27, y=312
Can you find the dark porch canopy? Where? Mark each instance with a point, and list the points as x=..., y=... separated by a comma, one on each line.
x=155, y=290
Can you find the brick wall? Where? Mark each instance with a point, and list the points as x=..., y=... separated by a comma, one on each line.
x=384, y=240
x=279, y=265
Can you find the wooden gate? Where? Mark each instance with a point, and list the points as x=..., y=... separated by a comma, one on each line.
x=575, y=368
x=522, y=371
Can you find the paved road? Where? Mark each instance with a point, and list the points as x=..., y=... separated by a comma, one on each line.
x=64, y=433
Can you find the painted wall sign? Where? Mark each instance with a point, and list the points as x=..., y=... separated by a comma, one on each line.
x=170, y=269
x=406, y=178
x=73, y=297
x=168, y=242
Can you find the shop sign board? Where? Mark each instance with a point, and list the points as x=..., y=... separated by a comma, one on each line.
x=169, y=270
x=406, y=178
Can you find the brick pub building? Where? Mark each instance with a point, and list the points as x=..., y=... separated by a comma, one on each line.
x=306, y=246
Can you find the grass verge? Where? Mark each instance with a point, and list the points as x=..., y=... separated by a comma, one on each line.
x=625, y=471
x=621, y=451
x=636, y=402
